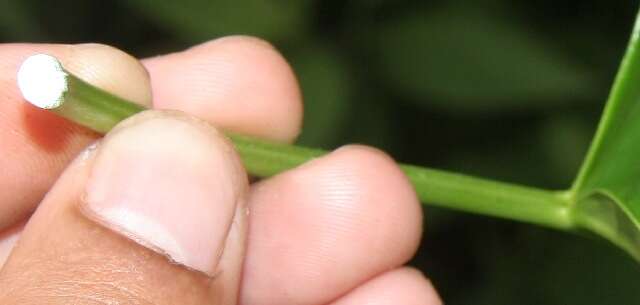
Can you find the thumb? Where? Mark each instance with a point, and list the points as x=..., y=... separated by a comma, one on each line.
x=154, y=215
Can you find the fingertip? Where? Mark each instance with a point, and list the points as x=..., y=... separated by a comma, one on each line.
x=331, y=223
x=239, y=83
x=101, y=65
x=380, y=175
x=418, y=284
x=110, y=69
x=238, y=41
x=401, y=286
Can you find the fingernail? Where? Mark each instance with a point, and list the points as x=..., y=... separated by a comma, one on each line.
x=168, y=184
x=8, y=240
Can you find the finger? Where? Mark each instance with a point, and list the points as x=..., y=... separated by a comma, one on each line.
x=401, y=286
x=36, y=145
x=240, y=83
x=155, y=215
x=322, y=229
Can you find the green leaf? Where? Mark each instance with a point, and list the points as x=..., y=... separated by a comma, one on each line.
x=198, y=20
x=474, y=60
x=606, y=193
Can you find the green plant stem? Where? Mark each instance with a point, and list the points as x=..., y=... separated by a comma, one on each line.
x=100, y=111
x=492, y=198
x=434, y=187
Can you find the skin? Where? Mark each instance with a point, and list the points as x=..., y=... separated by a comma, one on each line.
x=336, y=230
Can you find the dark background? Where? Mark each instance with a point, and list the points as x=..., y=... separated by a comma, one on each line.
x=510, y=90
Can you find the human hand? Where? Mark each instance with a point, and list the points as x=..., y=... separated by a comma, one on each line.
x=160, y=211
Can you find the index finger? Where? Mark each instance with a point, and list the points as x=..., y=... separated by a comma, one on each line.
x=237, y=83
x=36, y=145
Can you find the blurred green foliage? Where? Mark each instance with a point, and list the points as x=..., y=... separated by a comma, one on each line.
x=462, y=58
x=505, y=89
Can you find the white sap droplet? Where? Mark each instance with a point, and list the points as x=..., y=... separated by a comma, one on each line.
x=42, y=81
